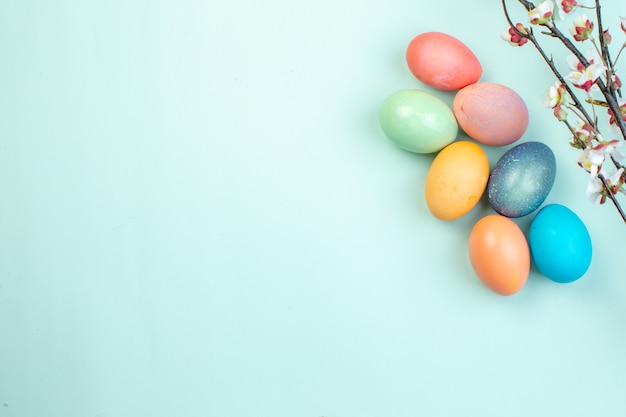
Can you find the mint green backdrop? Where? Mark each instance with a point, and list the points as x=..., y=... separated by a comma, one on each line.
x=200, y=216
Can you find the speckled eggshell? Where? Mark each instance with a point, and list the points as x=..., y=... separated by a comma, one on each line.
x=491, y=113
x=522, y=179
x=442, y=61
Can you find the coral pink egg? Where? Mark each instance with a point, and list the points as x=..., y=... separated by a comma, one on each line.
x=491, y=113
x=499, y=254
x=442, y=61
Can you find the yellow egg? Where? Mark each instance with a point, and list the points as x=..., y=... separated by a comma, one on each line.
x=456, y=180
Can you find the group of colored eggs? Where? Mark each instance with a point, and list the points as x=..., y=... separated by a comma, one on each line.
x=492, y=115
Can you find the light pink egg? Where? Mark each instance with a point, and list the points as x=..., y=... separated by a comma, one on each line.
x=442, y=61
x=491, y=113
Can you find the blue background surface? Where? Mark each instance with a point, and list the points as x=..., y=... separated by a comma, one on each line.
x=201, y=217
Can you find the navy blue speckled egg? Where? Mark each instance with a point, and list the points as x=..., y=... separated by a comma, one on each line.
x=522, y=179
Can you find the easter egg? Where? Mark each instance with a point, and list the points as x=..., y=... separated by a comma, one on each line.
x=418, y=121
x=521, y=179
x=456, y=180
x=442, y=61
x=499, y=254
x=491, y=113
x=560, y=244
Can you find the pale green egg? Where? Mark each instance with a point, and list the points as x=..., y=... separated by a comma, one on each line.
x=418, y=121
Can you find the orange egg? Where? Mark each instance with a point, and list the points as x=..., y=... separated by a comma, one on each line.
x=491, y=113
x=442, y=61
x=456, y=180
x=499, y=254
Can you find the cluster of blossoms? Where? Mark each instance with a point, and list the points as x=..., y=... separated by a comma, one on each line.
x=592, y=74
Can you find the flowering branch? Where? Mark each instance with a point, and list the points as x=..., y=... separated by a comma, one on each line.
x=591, y=72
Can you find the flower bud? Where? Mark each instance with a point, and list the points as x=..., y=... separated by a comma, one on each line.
x=560, y=114
x=514, y=36
x=542, y=13
x=568, y=5
x=582, y=28
x=555, y=96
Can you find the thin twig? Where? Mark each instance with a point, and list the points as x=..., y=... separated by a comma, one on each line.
x=608, y=90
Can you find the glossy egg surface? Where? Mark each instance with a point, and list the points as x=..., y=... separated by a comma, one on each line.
x=499, y=254
x=491, y=113
x=456, y=180
x=560, y=244
x=442, y=61
x=418, y=121
x=522, y=179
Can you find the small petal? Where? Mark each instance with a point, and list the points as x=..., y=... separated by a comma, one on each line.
x=617, y=155
x=595, y=71
x=591, y=55
x=589, y=162
x=596, y=158
x=615, y=179
x=594, y=190
x=573, y=77
x=572, y=62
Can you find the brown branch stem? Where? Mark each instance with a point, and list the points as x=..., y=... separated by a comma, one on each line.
x=607, y=90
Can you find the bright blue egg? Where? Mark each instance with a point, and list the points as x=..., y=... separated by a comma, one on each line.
x=522, y=179
x=560, y=244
